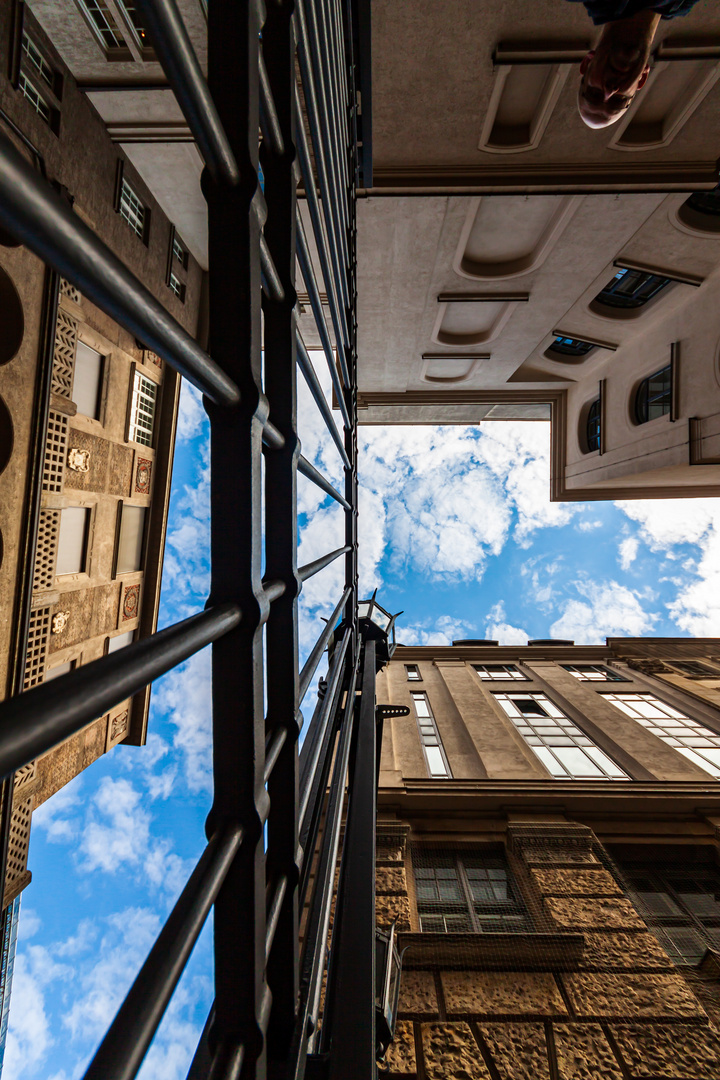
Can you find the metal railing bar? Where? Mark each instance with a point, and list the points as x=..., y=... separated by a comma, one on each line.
x=33, y=722
x=268, y=115
x=274, y=913
x=33, y=212
x=309, y=471
x=337, y=311
x=121, y=1052
x=272, y=284
x=315, y=123
x=176, y=54
x=310, y=376
x=273, y=746
x=315, y=97
x=306, y=267
x=319, y=647
x=312, y=568
x=313, y=961
x=273, y=590
x=271, y=437
x=319, y=23
x=309, y=762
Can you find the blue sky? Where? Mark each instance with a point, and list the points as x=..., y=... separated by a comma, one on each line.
x=457, y=530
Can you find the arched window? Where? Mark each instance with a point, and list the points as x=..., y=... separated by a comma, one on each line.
x=654, y=396
x=592, y=429
x=631, y=289
x=568, y=346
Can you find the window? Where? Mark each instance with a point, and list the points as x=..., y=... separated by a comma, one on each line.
x=36, y=99
x=430, y=738
x=133, y=210
x=593, y=426
x=698, y=744
x=178, y=287
x=73, y=540
x=693, y=669
x=466, y=893
x=133, y=15
x=492, y=672
x=413, y=673
x=103, y=23
x=120, y=641
x=679, y=901
x=180, y=252
x=565, y=751
x=654, y=396
x=58, y=670
x=130, y=539
x=142, y=410
x=87, y=380
x=631, y=289
x=593, y=673
x=37, y=62
x=568, y=346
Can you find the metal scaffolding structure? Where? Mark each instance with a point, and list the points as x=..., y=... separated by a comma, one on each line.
x=269, y=798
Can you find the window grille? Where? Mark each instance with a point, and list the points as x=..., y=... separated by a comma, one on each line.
x=412, y=672
x=500, y=672
x=103, y=23
x=25, y=775
x=142, y=410
x=66, y=289
x=66, y=330
x=180, y=252
x=178, y=287
x=46, y=549
x=37, y=61
x=567, y=346
x=695, y=742
x=37, y=647
x=565, y=751
x=593, y=673
x=654, y=396
x=593, y=426
x=16, y=866
x=631, y=289
x=466, y=892
x=430, y=738
x=33, y=95
x=55, y=452
x=132, y=209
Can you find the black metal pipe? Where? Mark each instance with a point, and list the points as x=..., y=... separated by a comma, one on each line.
x=314, y=740
x=309, y=471
x=38, y=216
x=269, y=116
x=312, y=568
x=121, y=1052
x=308, y=274
x=34, y=722
x=272, y=437
x=310, y=376
x=274, y=913
x=176, y=54
x=319, y=647
x=271, y=279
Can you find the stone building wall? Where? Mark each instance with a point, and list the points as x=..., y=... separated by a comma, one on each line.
x=589, y=995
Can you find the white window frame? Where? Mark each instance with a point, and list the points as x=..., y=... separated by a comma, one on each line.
x=437, y=763
x=509, y=673
x=132, y=209
x=37, y=61
x=412, y=671
x=566, y=752
x=30, y=92
x=675, y=728
x=118, y=44
x=599, y=673
x=143, y=409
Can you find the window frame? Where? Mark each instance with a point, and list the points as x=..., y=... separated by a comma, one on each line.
x=610, y=674
x=115, y=49
x=177, y=287
x=412, y=673
x=593, y=426
x=425, y=737
x=125, y=193
x=518, y=676
x=610, y=296
x=122, y=506
x=692, y=753
x=641, y=405
x=86, y=543
x=41, y=66
x=134, y=398
x=569, y=731
x=677, y=666
x=99, y=407
x=467, y=906
x=35, y=98
x=563, y=345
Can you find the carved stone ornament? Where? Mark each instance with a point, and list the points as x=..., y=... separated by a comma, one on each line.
x=118, y=725
x=60, y=621
x=78, y=460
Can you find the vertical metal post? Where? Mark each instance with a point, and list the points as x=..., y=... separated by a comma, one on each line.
x=236, y=214
x=350, y=1002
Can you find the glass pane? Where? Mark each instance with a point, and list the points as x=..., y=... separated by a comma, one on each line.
x=577, y=762
x=529, y=707
x=435, y=761
x=132, y=526
x=449, y=890
x=86, y=380
x=120, y=641
x=426, y=890
x=549, y=761
x=72, y=542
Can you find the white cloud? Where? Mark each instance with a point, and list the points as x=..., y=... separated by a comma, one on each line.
x=56, y=816
x=29, y=1038
x=501, y=631
x=443, y=631
x=192, y=418
x=31, y=923
x=627, y=551
x=608, y=610
x=587, y=526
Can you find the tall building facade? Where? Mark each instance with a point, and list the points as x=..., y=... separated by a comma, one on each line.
x=548, y=831
x=515, y=264
x=87, y=423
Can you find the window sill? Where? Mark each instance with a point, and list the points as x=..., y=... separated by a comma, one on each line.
x=493, y=952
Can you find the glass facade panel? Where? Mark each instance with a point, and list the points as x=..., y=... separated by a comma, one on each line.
x=698, y=744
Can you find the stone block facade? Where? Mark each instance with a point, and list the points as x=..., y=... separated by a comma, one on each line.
x=616, y=1009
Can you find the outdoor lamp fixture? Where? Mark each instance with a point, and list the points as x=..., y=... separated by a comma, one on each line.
x=379, y=625
x=388, y=968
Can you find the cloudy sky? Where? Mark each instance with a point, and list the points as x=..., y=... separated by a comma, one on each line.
x=457, y=531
